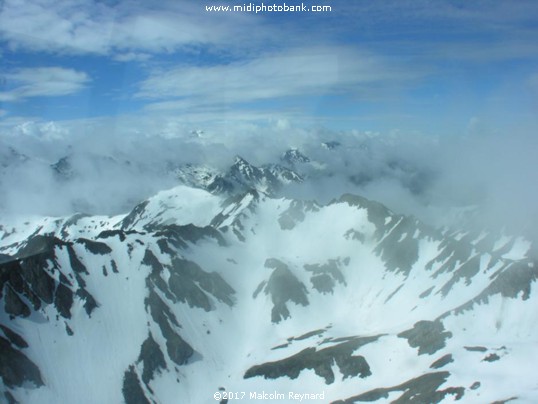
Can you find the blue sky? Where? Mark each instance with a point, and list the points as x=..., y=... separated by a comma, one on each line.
x=444, y=67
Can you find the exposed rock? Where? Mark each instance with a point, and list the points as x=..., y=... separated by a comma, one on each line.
x=325, y=275
x=423, y=389
x=321, y=361
x=95, y=247
x=476, y=348
x=14, y=304
x=16, y=368
x=132, y=390
x=178, y=350
x=151, y=357
x=428, y=336
x=442, y=361
x=491, y=358
x=13, y=337
x=283, y=286
x=63, y=300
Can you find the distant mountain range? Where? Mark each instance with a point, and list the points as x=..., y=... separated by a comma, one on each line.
x=92, y=169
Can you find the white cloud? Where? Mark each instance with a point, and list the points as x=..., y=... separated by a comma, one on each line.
x=128, y=27
x=410, y=173
x=43, y=82
x=319, y=71
x=49, y=131
x=133, y=29
x=131, y=57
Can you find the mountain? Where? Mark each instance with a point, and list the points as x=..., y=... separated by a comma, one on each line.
x=9, y=156
x=239, y=177
x=192, y=294
x=77, y=165
x=293, y=157
x=331, y=145
x=60, y=178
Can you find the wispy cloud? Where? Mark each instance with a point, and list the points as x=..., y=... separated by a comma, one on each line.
x=318, y=71
x=391, y=57
x=42, y=82
x=129, y=27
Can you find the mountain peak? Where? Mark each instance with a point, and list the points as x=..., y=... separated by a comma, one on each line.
x=293, y=156
x=331, y=145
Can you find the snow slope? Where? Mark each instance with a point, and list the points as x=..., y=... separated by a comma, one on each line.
x=191, y=292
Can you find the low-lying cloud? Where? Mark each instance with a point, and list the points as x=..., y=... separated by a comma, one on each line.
x=108, y=171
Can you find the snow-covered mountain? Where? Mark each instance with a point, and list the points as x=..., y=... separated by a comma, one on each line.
x=194, y=293
x=293, y=157
x=59, y=178
x=239, y=177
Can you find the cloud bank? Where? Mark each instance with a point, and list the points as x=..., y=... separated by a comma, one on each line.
x=433, y=178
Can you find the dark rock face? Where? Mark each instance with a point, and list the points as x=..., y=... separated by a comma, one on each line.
x=491, y=358
x=151, y=357
x=467, y=271
x=4, y=258
x=292, y=157
x=28, y=277
x=239, y=207
x=423, y=389
x=190, y=284
x=16, y=368
x=63, y=300
x=428, y=336
x=476, y=348
x=512, y=280
x=325, y=276
x=130, y=220
x=321, y=361
x=132, y=390
x=13, y=337
x=151, y=260
x=9, y=398
x=452, y=252
x=283, y=287
x=14, y=304
x=178, y=350
x=443, y=361
x=122, y=234
x=515, y=280
x=95, y=247
x=247, y=176
x=505, y=401
x=89, y=302
x=399, y=249
x=181, y=233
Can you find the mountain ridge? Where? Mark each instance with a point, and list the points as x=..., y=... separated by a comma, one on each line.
x=294, y=291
